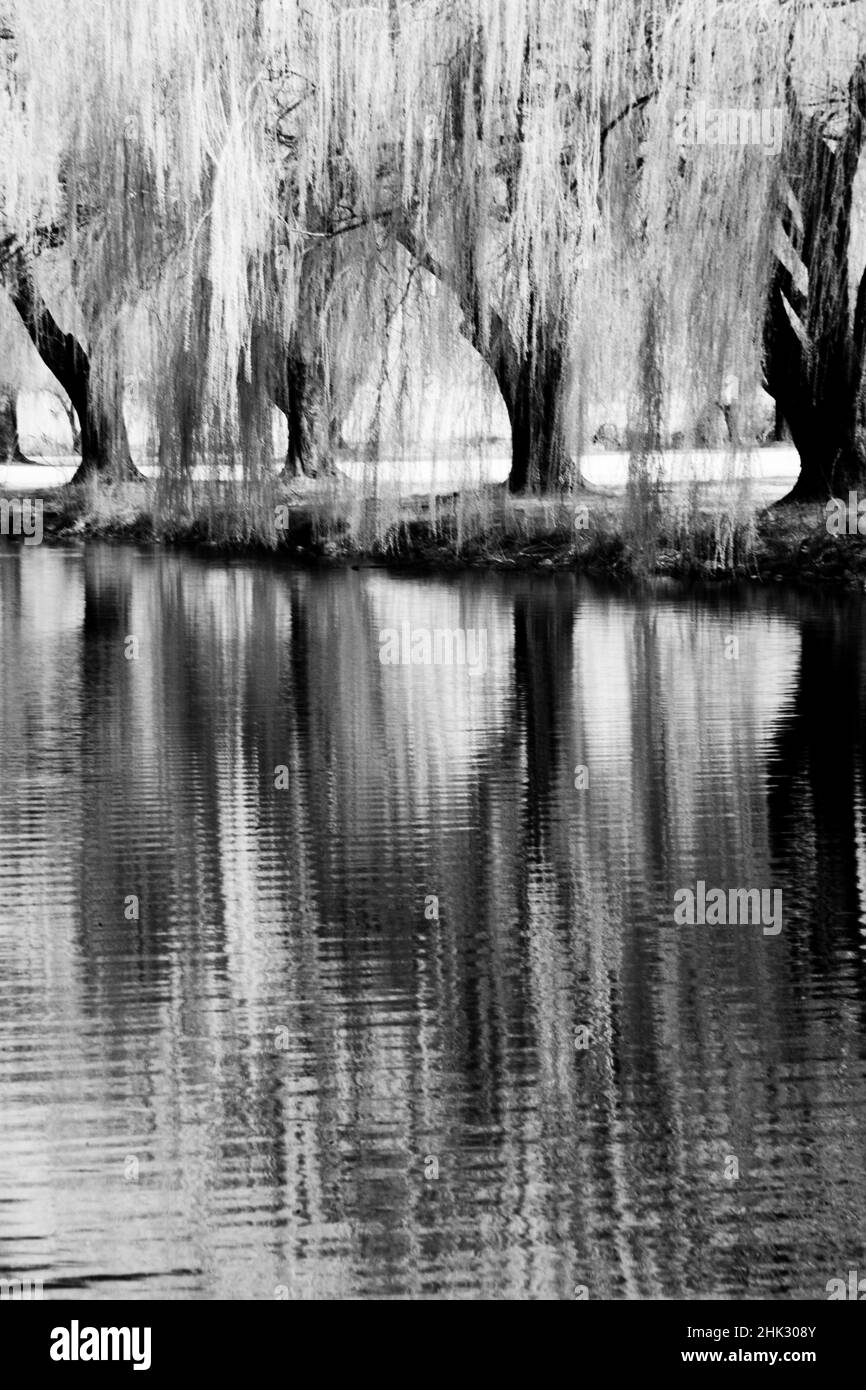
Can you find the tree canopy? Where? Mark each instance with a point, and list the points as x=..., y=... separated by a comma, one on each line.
x=230, y=200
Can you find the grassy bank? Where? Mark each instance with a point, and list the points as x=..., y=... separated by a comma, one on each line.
x=700, y=531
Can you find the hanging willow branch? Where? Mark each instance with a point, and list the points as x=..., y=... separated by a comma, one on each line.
x=253, y=175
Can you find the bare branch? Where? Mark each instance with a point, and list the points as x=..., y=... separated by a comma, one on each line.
x=636, y=105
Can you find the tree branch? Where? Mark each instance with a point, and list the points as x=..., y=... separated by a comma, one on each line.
x=636, y=105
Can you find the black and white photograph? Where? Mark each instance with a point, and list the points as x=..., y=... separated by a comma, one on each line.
x=433, y=664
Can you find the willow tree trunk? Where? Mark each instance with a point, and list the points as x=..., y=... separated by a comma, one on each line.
x=10, y=448
x=300, y=393
x=298, y=409
x=533, y=398
x=531, y=379
x=819, y=407
x=813, y=344
x=104, y=442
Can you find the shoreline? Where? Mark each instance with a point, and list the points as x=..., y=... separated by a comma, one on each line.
x=689, y=536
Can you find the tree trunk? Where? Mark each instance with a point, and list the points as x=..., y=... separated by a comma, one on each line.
x=822, y=424
x=104, y=443
x=813, y=355
x=299, y=392
x=816, y=391
x=296, y=406
x=532, y=395
x=10, y=449
x=531, y=381
x=76, y=431
x=819, y=407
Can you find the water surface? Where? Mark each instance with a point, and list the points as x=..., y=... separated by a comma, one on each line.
x=338, y=1052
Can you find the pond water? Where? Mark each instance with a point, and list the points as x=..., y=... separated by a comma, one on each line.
x=327, y=977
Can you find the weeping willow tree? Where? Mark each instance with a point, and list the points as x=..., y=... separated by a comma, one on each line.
x=236, y=190
x=713, y=247
x=529, y=156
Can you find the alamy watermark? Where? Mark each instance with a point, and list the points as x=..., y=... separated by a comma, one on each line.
x=21, y=516
x=702, y=124
x=77, y=1343
x=21, y=1290
x=846, y=518
x=715, y=907
x=853, y=1287
x=423, y=646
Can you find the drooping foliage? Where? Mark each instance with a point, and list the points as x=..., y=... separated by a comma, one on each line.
x=237, y=192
